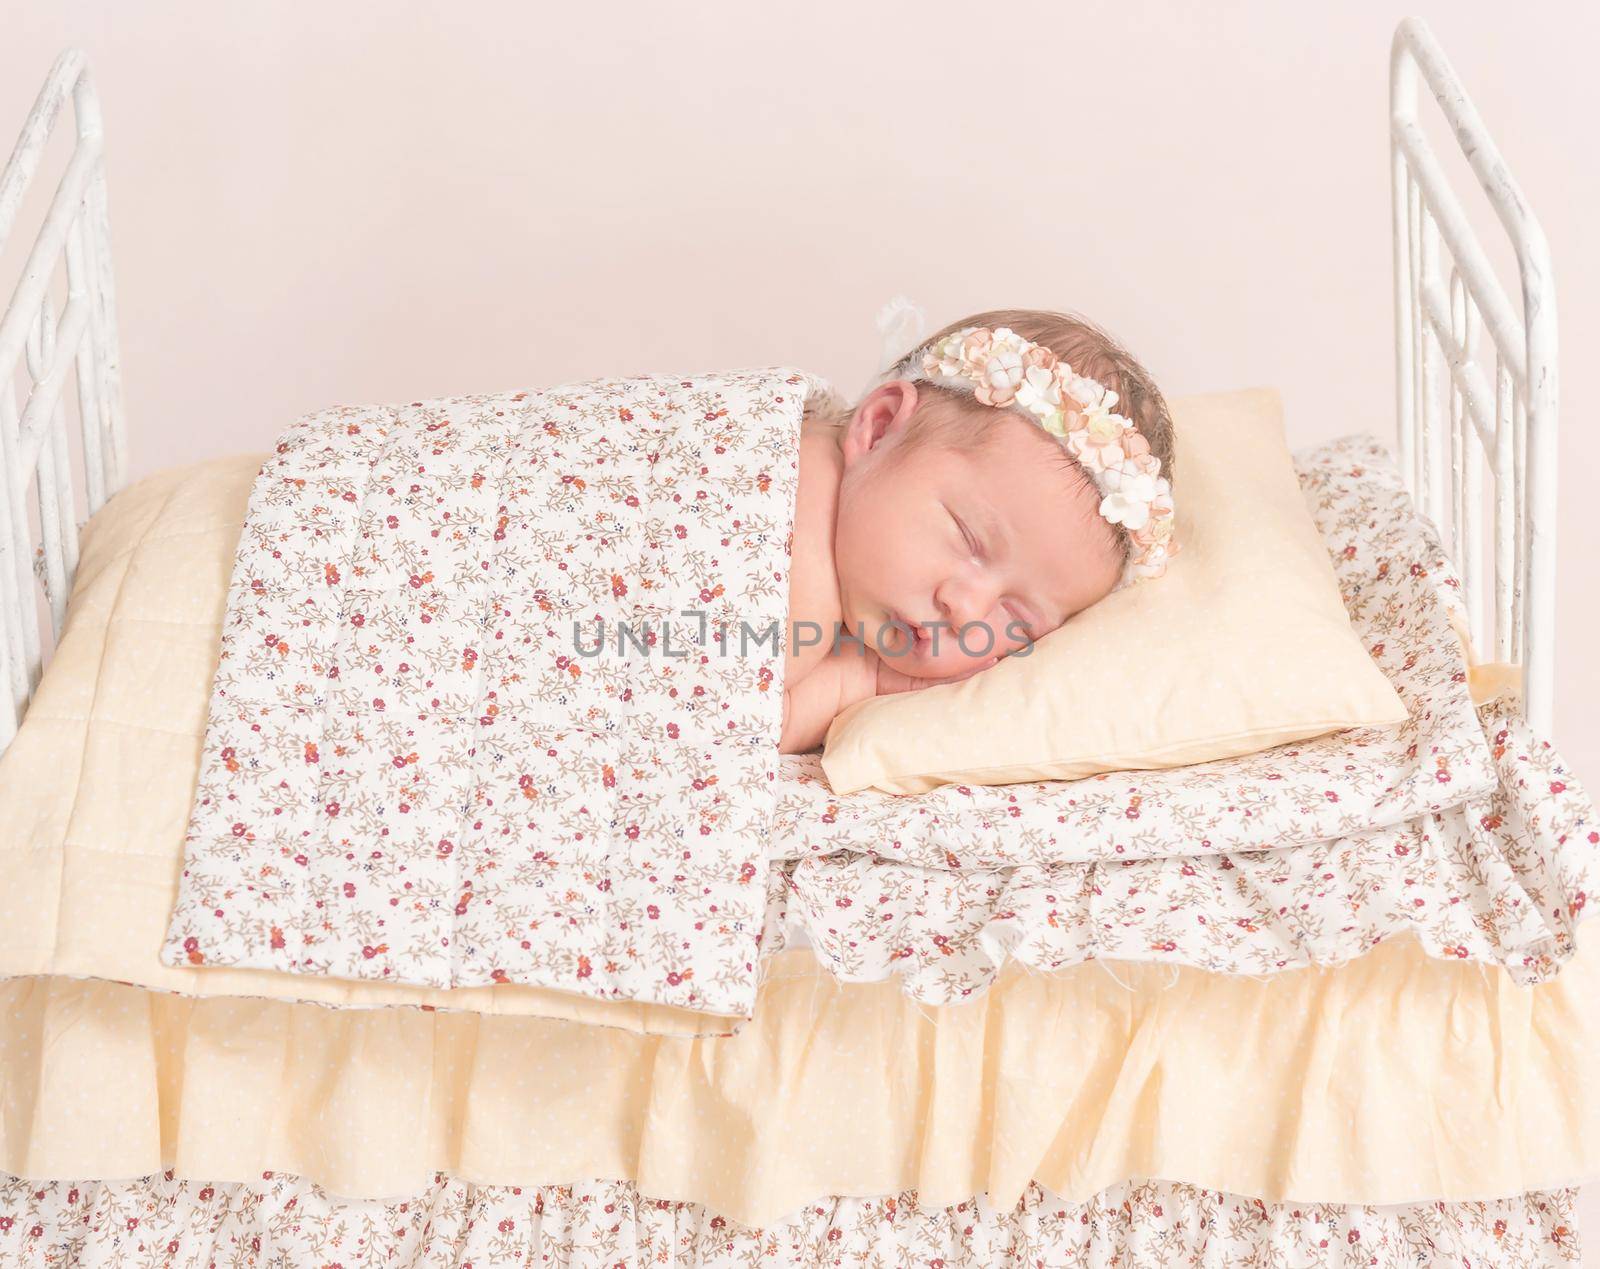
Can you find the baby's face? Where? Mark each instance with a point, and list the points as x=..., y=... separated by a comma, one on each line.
x=1004, y=541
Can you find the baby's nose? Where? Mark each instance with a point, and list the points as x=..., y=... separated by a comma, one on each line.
x=964, y=602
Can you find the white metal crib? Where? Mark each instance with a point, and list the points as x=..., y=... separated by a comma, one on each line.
x=1457, y=415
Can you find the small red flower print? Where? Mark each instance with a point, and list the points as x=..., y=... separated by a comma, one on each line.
x=277, y=939
x=584, y=968
x=619, y=588
x=369, y=951
x=311, y=751
x=330, y=574
x=191, y=947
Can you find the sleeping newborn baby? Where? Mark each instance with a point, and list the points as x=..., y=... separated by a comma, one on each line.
x=1007, y=473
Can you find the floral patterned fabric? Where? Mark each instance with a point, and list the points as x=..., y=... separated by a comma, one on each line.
x=1458, y=827
x=413, y=770
x=1503, y=879
x=281, y=1220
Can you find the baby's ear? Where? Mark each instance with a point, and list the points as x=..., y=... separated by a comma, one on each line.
x=883, y=411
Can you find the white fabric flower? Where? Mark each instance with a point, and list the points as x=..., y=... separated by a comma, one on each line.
x=1128, y=496
x=1093, y=394
x=944, y=357
x=1002, y=375
x=1039, y=392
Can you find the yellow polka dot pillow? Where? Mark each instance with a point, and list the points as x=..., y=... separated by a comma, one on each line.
x=1244, y=644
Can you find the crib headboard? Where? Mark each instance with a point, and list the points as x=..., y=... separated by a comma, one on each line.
x=52, y=481
x=1475, y=381
x=1462, y=410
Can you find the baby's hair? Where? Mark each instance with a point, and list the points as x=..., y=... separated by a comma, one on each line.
x=1087, y=348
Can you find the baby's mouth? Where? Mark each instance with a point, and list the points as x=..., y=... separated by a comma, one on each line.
x=911, y=637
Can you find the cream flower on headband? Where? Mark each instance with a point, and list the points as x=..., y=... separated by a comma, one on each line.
x=1004, y=370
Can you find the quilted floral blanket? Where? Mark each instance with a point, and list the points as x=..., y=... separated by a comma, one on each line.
x=499, y=694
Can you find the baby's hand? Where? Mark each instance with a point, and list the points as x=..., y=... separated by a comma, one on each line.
x=892, y=680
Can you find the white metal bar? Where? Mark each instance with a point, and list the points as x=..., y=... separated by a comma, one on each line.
x=53, y=478
x=1503, y=325
x=16, y=584
x=82, y=344
x=47, y=249
x=1505, y=518
x=1519, y=592
x=80, y=286
x=46, y=394
x=1405, y=348
x=1464, y=373
x=1470, y=477
x=1519, y=445
x=1432, y=445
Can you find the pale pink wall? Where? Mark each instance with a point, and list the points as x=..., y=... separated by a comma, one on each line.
x=365, y=201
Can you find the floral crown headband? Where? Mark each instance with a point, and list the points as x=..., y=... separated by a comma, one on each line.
x=1002, y=369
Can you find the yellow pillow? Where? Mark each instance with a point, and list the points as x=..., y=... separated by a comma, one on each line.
x=1244, y=644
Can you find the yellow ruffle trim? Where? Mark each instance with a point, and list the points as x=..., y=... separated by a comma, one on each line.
x=1392, y=1079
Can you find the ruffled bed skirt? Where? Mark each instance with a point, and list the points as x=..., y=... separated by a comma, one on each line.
x=283, y=1220
x=1398, y=1078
